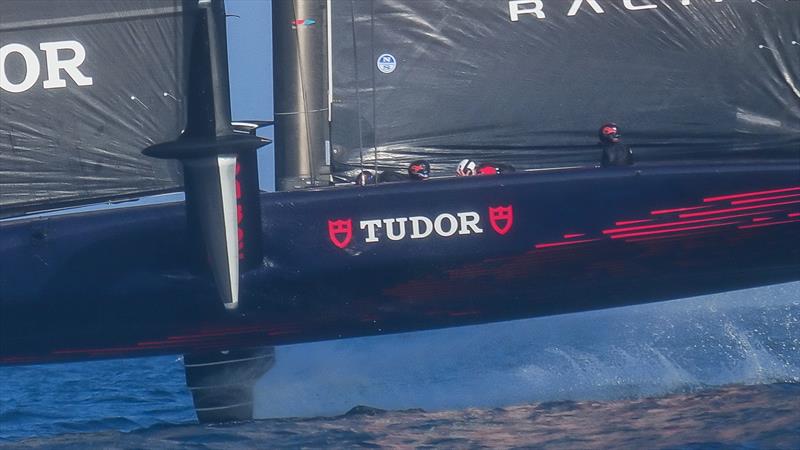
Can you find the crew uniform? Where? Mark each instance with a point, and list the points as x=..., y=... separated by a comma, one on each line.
x=615, y=153
x=387, y=176
x=367, y=177
x=490, y=168
x=417, y=170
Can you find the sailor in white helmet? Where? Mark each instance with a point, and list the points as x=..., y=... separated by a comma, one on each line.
x=466, y=168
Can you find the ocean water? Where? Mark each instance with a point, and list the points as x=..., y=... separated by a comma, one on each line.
x=719, y=371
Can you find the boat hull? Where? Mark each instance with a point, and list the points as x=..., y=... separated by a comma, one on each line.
x=357, y=261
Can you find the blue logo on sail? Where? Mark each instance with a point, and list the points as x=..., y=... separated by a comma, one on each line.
x=387, y=63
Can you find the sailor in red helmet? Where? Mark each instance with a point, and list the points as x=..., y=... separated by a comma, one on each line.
x=615, y=153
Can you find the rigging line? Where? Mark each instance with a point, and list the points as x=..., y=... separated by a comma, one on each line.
x=372, y=54
x=309, y=153
x=329, y=46
x=329, y=160
x=358, y=96
x=296, y=113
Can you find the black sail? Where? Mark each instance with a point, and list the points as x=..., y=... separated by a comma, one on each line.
x=530, y=82
x=86, y=86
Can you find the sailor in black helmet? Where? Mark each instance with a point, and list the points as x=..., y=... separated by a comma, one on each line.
x=419, y=170
x=365, y=177
x=615, y=153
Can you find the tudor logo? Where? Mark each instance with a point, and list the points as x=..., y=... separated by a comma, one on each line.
x=340, y=232
x=501, y=218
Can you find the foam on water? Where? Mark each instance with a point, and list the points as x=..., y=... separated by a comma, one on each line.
x=750, y=336
x=746, y=337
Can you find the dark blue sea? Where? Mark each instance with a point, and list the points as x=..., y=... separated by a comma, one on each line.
x=720, y=371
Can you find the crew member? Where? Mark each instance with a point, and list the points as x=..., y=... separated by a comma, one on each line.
x=468, y=167
x=615, y=153
x=419, y=170
x=365, y=177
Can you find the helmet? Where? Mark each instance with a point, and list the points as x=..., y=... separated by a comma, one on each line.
x=466, y=168
x=419, y=170
x=609, y=133
x=364, y=178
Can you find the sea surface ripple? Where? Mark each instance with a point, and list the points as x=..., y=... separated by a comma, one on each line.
x=719, y=371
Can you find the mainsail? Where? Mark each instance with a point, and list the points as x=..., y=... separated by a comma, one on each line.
x=86, y=85
x=529, y=82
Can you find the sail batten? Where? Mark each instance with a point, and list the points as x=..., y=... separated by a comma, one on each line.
x=89, y=18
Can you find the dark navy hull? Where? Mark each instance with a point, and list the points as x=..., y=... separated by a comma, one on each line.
x=119, y=282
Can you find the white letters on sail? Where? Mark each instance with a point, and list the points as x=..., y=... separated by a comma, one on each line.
x=72, y=52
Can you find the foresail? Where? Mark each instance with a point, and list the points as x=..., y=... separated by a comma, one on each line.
x=529, y=82
x=86, y=85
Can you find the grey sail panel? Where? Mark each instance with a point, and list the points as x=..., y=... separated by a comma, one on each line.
x=86, y=86
x=529, y=83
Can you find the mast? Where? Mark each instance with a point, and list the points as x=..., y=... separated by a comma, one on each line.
x=302, y=157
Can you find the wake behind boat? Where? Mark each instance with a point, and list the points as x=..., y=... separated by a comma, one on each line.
x=711, y=203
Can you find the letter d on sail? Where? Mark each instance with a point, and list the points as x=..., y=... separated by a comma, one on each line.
x=501, y=218
x=340, y=232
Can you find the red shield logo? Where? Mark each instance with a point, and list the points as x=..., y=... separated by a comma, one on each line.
x=340, y=232
x=501, y=218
